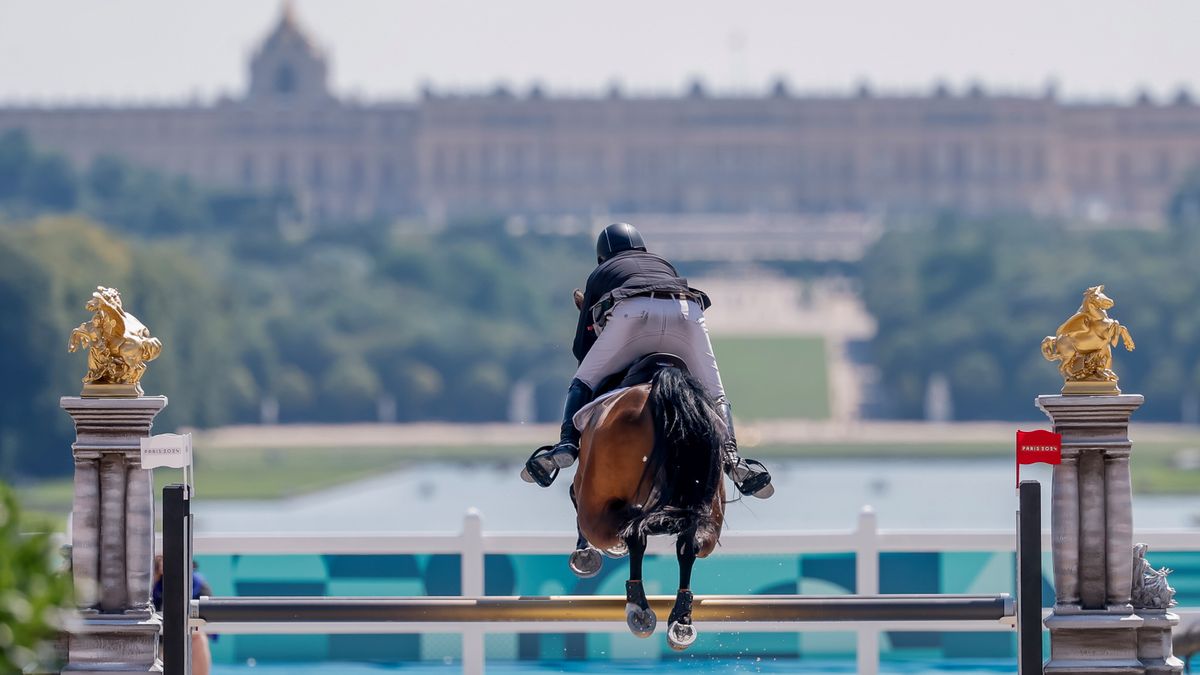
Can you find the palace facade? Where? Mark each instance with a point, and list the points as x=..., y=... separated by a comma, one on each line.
x=780, y=155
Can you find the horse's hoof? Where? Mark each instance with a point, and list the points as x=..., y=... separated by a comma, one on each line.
x=586, y=562
x=641, y=622
x=681, y=635
x=618, y=551
x=525, y=475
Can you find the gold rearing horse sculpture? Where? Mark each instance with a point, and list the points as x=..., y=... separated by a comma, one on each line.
x=119, y=346
x=1083, y=344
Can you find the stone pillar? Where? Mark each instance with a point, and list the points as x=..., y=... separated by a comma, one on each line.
x=1093, y=627
x=112, y=535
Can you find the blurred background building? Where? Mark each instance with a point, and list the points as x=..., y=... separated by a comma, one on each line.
x=537, y=154
x=876, y=254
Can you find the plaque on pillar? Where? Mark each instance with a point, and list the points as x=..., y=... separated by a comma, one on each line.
x=112, y=527
x=1095, y=626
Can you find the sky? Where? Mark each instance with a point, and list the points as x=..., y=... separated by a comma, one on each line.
x=60, y=51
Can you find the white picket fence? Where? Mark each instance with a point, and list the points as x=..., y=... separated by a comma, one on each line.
x=472, y=543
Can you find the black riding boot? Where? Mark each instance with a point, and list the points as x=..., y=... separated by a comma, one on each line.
x=543, y=466
x=750, y=476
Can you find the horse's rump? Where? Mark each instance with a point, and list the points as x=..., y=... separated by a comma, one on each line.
x=650, y=463
x=683, y=469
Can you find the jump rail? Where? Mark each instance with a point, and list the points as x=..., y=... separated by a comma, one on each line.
x=772, y=608
x=180, y=612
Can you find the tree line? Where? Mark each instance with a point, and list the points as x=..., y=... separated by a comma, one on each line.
x=969, y=299
x=253, y=307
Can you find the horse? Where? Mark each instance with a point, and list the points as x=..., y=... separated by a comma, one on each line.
x=119, y=345
x=1083, y=343
x=650, y=464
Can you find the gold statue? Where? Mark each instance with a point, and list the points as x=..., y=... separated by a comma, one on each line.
x=119, y=346
x=1084, y=345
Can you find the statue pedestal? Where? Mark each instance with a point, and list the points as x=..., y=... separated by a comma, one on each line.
x=1093, y=627
x=1093, y=641
x=112, y=537
x=1154, y=642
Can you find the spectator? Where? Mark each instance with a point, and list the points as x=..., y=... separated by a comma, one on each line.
x=201, y=656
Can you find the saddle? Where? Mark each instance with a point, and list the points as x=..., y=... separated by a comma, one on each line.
x=640, y=372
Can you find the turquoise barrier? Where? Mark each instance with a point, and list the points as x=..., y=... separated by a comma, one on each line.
x=818, y=573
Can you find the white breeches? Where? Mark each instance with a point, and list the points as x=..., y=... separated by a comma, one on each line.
x=641, y=326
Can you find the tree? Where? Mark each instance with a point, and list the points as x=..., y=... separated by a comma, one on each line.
x=51, y=183
x=16, y=158
x=35, y=593
x=1183, y=208
x=972, y=298
x=108, y=178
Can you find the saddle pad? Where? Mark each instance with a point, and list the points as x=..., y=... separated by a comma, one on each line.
x=584, y=416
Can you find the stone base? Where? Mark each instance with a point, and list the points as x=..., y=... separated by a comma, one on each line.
x=1089, y=388
x=1093, y=642
x=108, y=644
x=93, y=390
x=1154, y=642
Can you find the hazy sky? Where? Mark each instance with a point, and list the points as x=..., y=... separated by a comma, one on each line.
x=121, y=50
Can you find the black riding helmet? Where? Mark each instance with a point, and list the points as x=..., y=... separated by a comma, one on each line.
x=616, y=238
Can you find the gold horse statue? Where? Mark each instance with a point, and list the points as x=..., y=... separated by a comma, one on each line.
x=1084, y=344
x=119, y=346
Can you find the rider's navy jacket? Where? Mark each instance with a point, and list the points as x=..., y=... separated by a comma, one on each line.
x=630, y=270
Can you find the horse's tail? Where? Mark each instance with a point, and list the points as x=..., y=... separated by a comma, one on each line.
x=684, y=467
x=1048, y=348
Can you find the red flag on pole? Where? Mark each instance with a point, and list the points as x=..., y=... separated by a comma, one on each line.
x=1038, y=447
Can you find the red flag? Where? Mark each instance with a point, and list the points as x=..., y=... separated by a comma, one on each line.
x=1038, y=447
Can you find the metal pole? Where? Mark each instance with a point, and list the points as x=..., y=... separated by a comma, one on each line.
x=1029, y=579
x=768, y=608
x=177, y=580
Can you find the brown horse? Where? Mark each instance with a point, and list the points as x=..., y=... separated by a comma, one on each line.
x=649, y=464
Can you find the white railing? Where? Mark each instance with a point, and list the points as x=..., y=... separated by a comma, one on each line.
x=866, y=541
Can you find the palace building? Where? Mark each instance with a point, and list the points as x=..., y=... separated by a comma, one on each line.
x=781, y=157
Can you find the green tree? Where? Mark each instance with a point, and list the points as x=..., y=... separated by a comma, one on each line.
x=1183, y=208
x=16, y=159
x=972, y=298
x=35, y=592
x=52, y=183
x=253, y=303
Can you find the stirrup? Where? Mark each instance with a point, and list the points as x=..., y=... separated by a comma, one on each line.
x=753, y=480
x=535, y=470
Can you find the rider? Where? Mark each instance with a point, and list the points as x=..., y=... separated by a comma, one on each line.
x=635, y=303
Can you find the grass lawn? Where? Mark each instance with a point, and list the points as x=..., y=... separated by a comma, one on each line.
x=775, y=377
x=1154, y=470
x=271, y=473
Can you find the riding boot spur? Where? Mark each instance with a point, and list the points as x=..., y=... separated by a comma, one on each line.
x=750, y=476
x=545, y=462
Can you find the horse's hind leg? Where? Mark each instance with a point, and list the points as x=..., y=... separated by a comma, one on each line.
x=680, y=631
x=586, y=560
x=638, y=615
